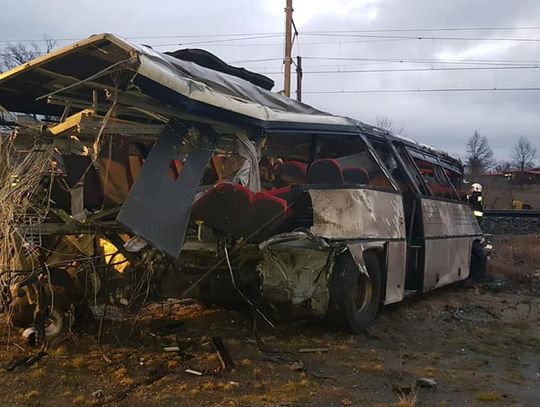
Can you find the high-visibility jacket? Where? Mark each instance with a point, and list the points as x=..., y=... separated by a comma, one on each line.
x=475, y=200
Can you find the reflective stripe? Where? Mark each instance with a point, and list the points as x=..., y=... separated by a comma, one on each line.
x=478, y=213
x=479, y=199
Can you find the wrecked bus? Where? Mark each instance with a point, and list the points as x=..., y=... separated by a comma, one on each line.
x=154, y=175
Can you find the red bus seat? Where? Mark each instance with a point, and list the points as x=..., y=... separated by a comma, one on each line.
x=265, y=214
x=292, y=172
x=325, y=171
x=356, y=175
x=223, y=207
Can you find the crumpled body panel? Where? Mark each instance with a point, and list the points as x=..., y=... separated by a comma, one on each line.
x=357, y=214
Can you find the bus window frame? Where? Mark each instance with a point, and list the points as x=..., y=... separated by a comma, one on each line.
x=437, y=164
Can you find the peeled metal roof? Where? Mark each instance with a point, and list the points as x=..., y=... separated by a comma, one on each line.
x=104, y=61
x=162, y=74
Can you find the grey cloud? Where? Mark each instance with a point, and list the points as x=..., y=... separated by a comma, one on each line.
x=440, y=119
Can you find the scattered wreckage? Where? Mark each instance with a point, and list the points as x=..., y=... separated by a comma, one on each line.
x=152, y=175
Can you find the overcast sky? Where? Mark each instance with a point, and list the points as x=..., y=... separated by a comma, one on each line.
x=442, y=119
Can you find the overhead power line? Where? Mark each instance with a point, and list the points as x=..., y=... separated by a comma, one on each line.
x=214, y=35
x=518, y=89
x=489, y=62
x=431, y=29
x=226, y=40
x=410, y=37
x=336, y=71
x=428, y=61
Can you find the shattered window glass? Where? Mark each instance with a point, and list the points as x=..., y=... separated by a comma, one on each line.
x=436, y=179
x=285, y=159
x=349, y=156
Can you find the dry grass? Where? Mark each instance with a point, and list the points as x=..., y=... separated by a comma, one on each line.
x=408, y=400
x=291, y=391
x=77, y=362
x=516, y=257
x=488, y=396
x=32, y=395
x=21, y=172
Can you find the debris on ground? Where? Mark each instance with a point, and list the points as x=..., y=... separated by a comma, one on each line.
x=313, y=350
x=97, y=394
x=26, y=361
x=223, y=354
x=426, y=382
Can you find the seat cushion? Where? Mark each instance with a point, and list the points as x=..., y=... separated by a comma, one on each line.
x=266, y=213
x=325, y=171
x=292, y=172
x=224, y=207
x=356, y=175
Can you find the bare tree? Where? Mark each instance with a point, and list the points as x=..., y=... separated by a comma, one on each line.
x=523, y=154
x=17, y=54
x=479, y=155
x=503, y=166
x=385, y=123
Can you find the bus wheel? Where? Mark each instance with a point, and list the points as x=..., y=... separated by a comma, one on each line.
x=355, y=296
x=478, y=262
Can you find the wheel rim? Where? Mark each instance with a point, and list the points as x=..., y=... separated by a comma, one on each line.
x=364, y=292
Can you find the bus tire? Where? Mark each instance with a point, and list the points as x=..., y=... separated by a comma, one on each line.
x=478, y=262
x=355, y=297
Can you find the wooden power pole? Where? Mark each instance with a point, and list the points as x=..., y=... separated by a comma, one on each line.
x=288, y=48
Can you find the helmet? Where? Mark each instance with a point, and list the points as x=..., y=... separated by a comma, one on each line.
x=476, y=187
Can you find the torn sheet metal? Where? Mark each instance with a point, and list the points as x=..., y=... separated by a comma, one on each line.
x=75, y=70
x=357, y=252
x=396, y=253
x=296, y=276
x=249, y=174
x=357, y=214
x=158, y=207
x=81, y=187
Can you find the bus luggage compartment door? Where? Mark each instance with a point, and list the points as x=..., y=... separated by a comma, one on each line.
x=449, y=230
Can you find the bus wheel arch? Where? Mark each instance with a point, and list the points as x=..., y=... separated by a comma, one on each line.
x=356, y=290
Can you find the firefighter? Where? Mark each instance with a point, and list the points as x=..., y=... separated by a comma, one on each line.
x=475, y=200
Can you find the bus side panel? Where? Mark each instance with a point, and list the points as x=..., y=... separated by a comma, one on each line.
x=447, y=261
x=448, y=219
x=357, y=214
x=396, y=254
x=376, y=217
x=449, y=230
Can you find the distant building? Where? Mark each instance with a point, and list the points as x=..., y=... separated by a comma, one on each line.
x=503, y=189
x=516, y=177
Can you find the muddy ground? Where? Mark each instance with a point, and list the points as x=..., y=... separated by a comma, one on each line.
x=480, y=343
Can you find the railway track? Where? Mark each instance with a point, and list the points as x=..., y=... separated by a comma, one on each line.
x=511, y=213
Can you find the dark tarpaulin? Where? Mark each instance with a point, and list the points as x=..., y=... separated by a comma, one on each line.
x=208, y=60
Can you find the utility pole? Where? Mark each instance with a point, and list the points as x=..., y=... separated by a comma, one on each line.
x=288, y=48
x=299, y=74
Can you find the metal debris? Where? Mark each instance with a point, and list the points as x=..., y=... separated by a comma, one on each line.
x=426, y=382
x=313, y=350
x=26, y=361
x=222, y=353
x=194, y=372
x=97, y=394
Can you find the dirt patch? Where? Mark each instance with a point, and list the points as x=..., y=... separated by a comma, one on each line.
x=480, y=343
x=480, y=347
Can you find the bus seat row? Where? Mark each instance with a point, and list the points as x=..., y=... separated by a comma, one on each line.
x=237, y=211
x=323, y=171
